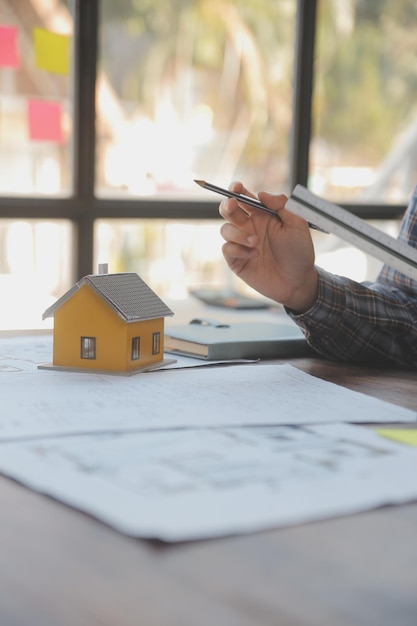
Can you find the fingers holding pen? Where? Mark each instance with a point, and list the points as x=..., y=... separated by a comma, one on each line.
x=236, y=254
x=245, y=227
x=239, y=238
x=238, y=231
x=233, y=210
x=250, y=205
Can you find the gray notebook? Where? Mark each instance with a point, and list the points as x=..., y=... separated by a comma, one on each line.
x=243, y=340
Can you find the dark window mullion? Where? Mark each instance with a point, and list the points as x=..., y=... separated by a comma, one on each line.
x=85, y=61
x=303, y=91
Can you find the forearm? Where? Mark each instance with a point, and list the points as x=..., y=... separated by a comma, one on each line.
x=361, y=322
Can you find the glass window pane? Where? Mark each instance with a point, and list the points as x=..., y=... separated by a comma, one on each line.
x=88, y=348
x=156, y=343
x=36, y=99
x=193, y=89
x=36, y=258
x=171, y=256
x=365, y=101
x=135, y=356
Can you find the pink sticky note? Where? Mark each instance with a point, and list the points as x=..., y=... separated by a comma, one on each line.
x=9, y=56
x=44, y=119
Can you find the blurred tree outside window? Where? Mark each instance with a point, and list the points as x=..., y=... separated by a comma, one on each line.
x=192, y=90
x=364, y=144
x=364, y=140
x=199, y=89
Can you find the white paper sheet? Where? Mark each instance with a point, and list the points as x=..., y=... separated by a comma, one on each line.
x=41, y=402
x=26, y=353
x=192, y=484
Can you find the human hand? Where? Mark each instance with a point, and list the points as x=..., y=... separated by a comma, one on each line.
x=275, y=256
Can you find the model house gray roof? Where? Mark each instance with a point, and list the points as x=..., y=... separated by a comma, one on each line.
x=127, y=294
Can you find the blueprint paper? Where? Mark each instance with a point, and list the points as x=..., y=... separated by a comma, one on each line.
x=181, y=485
x=198, y=452
x=42, y=402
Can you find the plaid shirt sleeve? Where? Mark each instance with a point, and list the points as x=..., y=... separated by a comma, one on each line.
x=370, y=321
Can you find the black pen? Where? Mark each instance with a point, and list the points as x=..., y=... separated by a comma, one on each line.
x=245, y=199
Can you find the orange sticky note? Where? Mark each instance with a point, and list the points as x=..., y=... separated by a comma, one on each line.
x=52, y=51
x=44, y=120
x=9, y=56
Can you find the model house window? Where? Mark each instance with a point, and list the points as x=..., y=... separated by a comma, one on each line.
x=135, y=348
x=156, y=343
x=88, y=347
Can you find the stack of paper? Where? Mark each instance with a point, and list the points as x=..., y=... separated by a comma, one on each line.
x=199, y=452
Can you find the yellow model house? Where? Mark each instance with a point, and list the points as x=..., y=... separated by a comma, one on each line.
x=108, y=322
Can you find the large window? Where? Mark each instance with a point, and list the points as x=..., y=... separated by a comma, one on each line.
x=193, y=89
x=187, y=90
x=110, y=110
x=365, y=101
x=37, y=98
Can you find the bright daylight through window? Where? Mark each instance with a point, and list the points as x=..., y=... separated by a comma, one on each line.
x=186, y=90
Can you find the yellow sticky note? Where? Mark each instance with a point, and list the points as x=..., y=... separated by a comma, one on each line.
x=403, y=435
x=52, y=51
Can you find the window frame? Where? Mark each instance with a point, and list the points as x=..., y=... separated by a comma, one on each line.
x=135, y=348
x=156, y=343
x=83, y=208
x=88, y=348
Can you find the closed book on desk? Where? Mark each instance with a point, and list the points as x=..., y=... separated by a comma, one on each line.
x=242, y=340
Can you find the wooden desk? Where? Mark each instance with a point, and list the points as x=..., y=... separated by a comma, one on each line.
x=60, y=567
